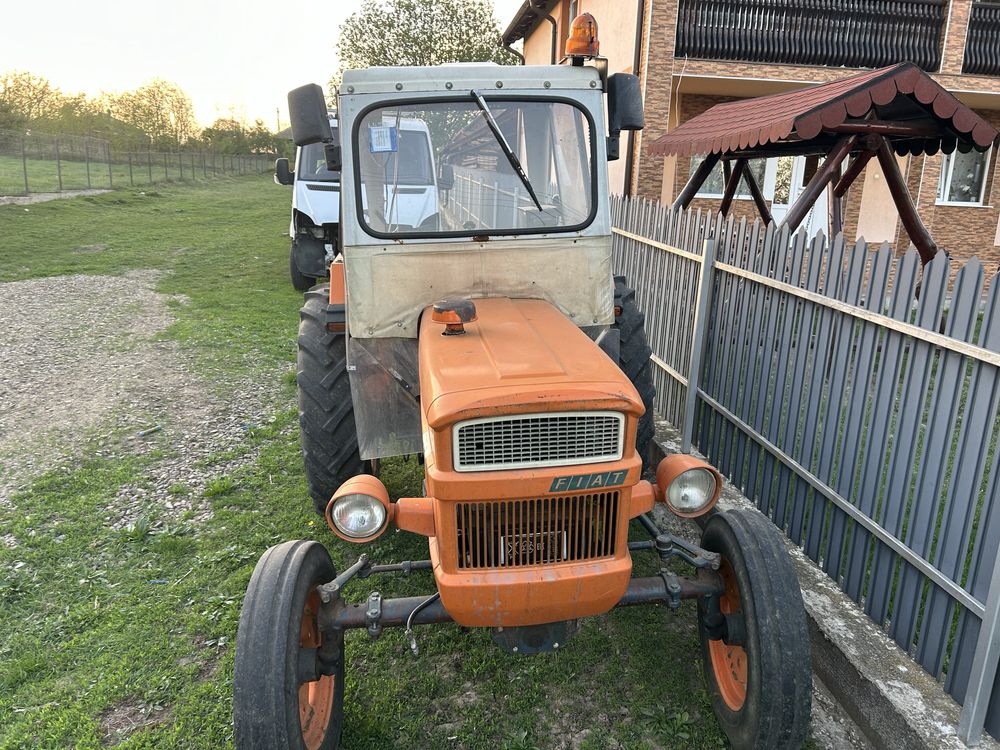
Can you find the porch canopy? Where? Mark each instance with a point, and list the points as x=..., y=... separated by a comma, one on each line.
x=899, y=109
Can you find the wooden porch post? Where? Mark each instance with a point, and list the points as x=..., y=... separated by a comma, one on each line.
x=823, y=176
x=919, y=235
x=697, y=180
x=732, y=181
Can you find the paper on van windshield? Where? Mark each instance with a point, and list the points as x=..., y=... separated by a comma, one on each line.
x=382, y=139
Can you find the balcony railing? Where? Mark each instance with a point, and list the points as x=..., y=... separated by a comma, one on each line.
x=982, y=44
x=850, y=33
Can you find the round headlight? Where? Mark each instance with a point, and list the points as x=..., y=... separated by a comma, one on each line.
x=692, y=490
x=358, y=516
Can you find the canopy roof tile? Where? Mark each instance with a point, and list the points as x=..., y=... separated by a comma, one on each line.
x=901, y=93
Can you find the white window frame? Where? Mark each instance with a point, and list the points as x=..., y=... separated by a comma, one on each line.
x=944, y=180
x=767, y=189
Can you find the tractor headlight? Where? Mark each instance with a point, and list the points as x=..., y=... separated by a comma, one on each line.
x=691, y=491
x=357, y=516
x=688, y=485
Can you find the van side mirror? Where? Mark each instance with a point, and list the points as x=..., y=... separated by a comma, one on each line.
x=282, y=174
x=446, y=177
x=307, y=111
x=334, y=159
x=624, y=103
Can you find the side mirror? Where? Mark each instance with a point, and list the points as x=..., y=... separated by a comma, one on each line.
x=624, y=103
x=282, y=174
x=446, y=177
x=307, y=111
x=333, y=157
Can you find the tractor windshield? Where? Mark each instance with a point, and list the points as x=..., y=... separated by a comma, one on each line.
x=443, y=168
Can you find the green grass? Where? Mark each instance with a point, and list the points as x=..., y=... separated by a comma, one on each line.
x=44, y=173
x=97, y=623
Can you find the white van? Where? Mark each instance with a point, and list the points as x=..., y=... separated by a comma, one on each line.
x=315, y=225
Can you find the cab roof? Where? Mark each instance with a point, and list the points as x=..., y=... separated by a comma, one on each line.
x=461, y=78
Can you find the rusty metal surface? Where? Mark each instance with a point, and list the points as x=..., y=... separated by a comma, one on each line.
x=900, y=93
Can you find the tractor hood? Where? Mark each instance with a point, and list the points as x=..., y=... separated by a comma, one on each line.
x=519, y=356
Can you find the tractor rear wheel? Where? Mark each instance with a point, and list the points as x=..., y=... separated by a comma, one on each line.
x=758, y=673
x=326, y=411
x=288, y=679
x=633, y=358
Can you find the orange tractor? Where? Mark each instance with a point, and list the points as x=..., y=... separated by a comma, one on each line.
x=493, y=341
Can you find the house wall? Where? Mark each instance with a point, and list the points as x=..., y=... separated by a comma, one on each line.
x=677, y=89
x=616, y=27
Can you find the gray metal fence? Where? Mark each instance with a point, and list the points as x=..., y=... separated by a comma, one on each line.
x=853, y=395
x=42, y=163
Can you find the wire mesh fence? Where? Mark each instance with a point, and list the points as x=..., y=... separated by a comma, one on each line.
x=43, y=163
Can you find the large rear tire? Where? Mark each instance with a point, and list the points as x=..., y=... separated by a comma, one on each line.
x=633, y=358
x=288, y=680
x=326, y=411
x=759, y=675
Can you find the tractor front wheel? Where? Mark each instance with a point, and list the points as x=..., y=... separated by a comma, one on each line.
x=758, y=673
x=288, y=681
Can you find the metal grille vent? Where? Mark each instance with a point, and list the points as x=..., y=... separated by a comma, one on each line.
x=540, y=531
x=538, y=440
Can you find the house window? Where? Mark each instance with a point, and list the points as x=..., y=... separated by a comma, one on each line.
x=574, y=9
x=715, y=185
x=963, y=177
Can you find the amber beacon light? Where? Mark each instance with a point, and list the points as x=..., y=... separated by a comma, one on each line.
x=582, y=41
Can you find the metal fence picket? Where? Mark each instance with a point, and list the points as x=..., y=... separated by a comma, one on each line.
x=813, y=382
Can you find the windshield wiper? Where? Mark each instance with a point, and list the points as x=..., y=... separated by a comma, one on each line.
x=515, y=163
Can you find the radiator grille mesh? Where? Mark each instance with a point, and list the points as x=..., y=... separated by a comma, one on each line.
x=539, y=440
x=539, y=531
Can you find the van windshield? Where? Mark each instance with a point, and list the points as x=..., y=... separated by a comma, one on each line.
x=312, y=163
x=452, y=149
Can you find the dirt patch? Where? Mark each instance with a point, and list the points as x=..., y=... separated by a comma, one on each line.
x=82, y=365
x=124, y=719
x=20, y=200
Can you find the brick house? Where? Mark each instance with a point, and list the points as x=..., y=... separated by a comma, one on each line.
x=692, y=54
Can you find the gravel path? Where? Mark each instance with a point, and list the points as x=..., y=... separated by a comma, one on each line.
x=80, y=367
x=21, y=200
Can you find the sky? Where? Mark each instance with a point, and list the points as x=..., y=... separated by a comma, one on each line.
x=232, y=58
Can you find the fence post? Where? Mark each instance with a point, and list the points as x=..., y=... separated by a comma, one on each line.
x=166, y=171
x=984, y=667
x=58, y=166
x=86, y=156
x=698, y=341
x=24, y=165
x=131, y=181
x=107, y=153
x=180, y=165
x=149, y=165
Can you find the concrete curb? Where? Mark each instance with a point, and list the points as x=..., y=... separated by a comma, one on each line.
x=890, y=697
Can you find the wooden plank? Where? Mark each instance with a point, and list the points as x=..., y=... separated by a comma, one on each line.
x=657, y=244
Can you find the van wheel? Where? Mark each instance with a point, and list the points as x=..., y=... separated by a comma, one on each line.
x=758, y=673
x=288, y=679
x=326, y=411
x=299, y=280
x=633, y=359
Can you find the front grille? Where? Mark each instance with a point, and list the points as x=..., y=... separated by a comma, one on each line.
x=540, y=531
x=538, y=440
